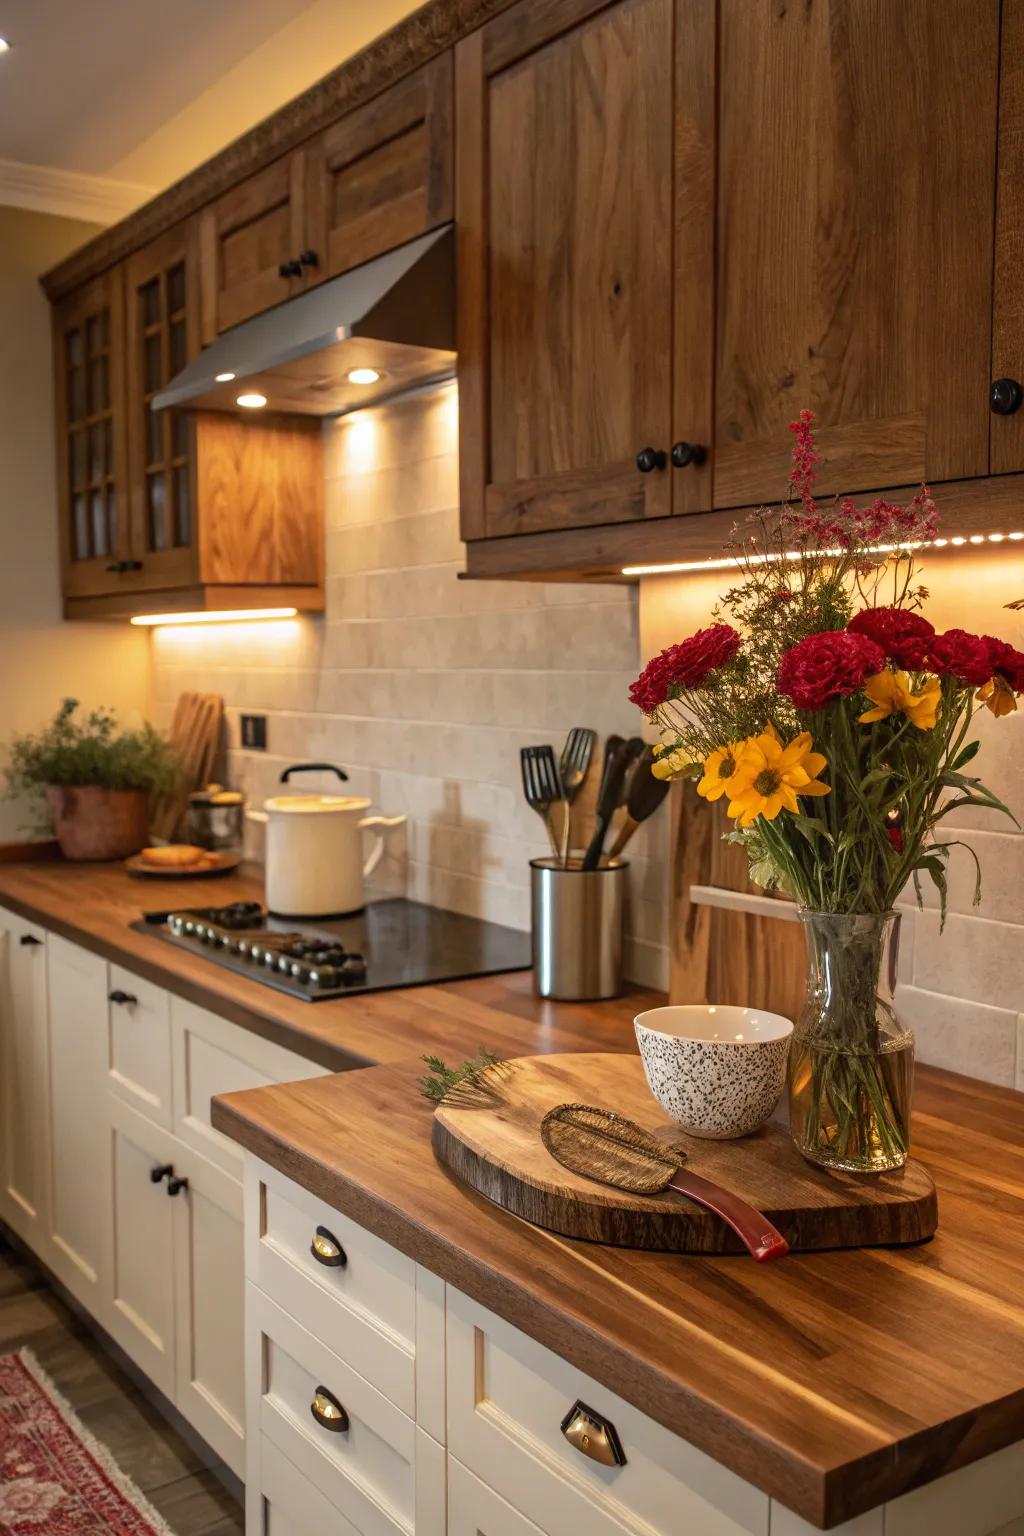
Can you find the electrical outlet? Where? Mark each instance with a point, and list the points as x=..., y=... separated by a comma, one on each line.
x=254, y=733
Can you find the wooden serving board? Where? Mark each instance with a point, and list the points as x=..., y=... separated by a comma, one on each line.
x=498, y=1151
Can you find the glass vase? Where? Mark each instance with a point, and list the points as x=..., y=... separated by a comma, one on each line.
x=851, y=1062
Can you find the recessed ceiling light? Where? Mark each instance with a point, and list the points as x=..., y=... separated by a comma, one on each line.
x=363, y=375
x=252, y=402
x=5, y=46
x=224, y=378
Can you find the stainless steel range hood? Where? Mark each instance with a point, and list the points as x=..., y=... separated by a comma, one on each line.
x=395, y=316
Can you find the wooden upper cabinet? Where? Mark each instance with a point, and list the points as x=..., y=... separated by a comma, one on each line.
x=856, y=201
x=570, y=283
x=1007, y=428
x=161, y=284
x=92, y=473
x=383, y=174
x=252, y=241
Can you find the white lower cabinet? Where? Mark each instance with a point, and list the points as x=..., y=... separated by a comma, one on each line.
x=476, y=1510
x=24, y=1070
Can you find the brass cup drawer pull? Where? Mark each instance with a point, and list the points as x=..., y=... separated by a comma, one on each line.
x=327, y=1411
x=326, y=1249
x=593, y=1435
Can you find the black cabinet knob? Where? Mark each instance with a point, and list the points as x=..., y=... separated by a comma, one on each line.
x=309, y=259
x=157, y=1175
x=116, y=567
x=688, y=453
x=1005, y=396
x=292, y=268
x=27, y=940
x=176, y=1185
x=123, y=999
x=650, y=458
x=131, y=565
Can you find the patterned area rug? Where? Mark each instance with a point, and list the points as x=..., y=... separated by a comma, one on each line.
x=56, y=1479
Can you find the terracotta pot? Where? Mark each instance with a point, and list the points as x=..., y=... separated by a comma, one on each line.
x=93, y=823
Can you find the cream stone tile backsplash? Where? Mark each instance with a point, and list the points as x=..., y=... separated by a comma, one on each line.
x=425, y=687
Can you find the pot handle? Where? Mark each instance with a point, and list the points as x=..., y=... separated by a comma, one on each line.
x=312, y=768
x=260, y=816
x=378, y=849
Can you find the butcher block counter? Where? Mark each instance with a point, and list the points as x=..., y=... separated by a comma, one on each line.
x=835, y=1383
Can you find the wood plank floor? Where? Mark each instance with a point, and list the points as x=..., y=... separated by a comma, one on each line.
x=144, y=1445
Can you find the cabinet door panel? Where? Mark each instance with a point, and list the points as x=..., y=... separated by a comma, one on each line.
x=80, y=1210
x=857, y=165
x=92, y=473
x=244, y=237
x=383, y=174
x=24, y=1109
x=476, y=1510
x=564, y=190
x=1007, y=432
x=162, y=335
x=209, y=1306
x=140, y=1311
x=139, y=1044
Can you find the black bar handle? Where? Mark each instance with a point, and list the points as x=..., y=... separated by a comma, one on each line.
x=176, y=1185
x=312, y=768
x=29, y=939
x=123, y=999
x=165, y=1171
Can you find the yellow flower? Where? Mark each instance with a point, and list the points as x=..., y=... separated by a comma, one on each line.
x=998, y=695
x=718, y=770
x=769, y=776
x=676, y=764
x=891, y=693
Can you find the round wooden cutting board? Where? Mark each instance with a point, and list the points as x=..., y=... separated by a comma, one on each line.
x=498, y=1151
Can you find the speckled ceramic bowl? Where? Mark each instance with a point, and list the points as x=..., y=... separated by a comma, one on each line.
x=717, y=1070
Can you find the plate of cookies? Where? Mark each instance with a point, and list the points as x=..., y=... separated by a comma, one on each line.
x=170, y=861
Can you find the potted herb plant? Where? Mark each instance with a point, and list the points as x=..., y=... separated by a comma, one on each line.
x=834, y=722
x=92, y=782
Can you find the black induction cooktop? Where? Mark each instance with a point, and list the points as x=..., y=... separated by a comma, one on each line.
x=389, y=944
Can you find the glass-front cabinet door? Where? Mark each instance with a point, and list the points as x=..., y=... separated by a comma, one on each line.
x=162, y=329
x=91, y=441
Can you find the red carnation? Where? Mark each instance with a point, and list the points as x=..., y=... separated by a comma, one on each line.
x=1006, y=661
x=684, y=666
x=963, y=656
x=903, y=636
x=828, y=666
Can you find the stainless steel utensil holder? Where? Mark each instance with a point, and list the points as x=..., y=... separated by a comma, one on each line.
x=578, y=919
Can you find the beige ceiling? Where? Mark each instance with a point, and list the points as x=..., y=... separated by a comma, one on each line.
x=143, y=90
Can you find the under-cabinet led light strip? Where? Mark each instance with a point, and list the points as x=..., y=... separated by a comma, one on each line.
x=215, y=616
x=728, y=562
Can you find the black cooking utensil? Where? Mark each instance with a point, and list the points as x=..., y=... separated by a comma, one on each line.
x=573, y=767
x=644, y=793
x=617, y=758
x=542, y=784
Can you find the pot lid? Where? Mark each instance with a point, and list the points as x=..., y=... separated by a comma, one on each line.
x=301, y=805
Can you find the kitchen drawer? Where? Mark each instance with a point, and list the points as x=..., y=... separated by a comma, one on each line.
x=210, y=1055
x=284, y=1503
x=476, y=1510
x=139, y=1044
x=378, y=1311
x=382, y=1471
x=507, y=1397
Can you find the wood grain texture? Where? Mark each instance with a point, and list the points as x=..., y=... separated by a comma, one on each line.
x=835, y=305
x=245, y=236
x=984, y=505
x=260, y=492
x=426, y=34
x=122, y=605
x=498, y=1151
x=716, y=955
x=832, y=1381
x=93, y=904
x=1007, y=432
x=383, y=174
x=566, y=127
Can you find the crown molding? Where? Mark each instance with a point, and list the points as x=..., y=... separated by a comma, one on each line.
x=70, y=194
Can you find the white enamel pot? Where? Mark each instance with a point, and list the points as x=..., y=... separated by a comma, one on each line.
x=314, y=859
